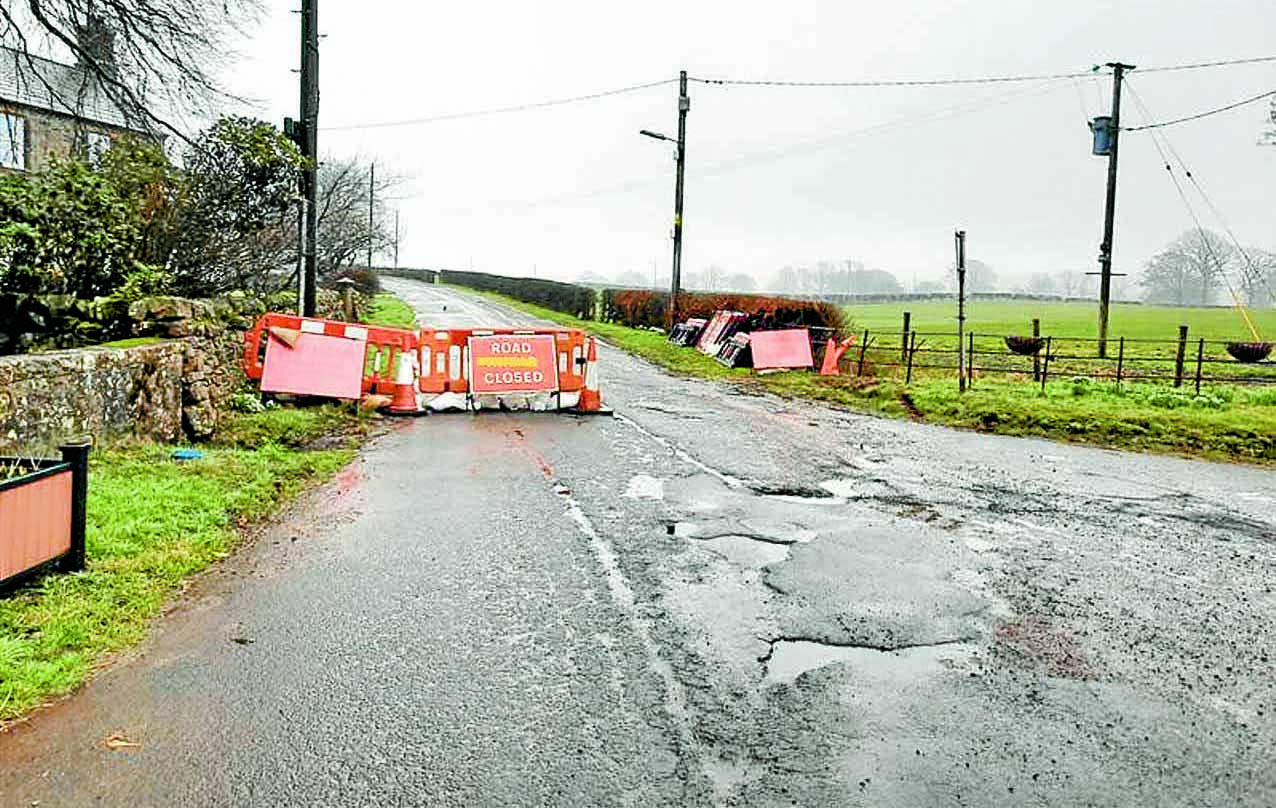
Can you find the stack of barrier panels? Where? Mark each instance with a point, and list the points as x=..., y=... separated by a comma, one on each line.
x=734, y=353
x=688, y=333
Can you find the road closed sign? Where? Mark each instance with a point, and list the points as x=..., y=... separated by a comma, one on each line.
x=513, y=363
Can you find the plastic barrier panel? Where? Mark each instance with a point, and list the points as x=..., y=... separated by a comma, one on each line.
x=510, y=364
x=317, y=365
x=383, y=346
x=790, y=348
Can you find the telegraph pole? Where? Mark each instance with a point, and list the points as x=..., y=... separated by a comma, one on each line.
x=1109, y=211
x=309, y=147
x=960, y=243
x=684, y=104
x=372, y=186
x=396, y=239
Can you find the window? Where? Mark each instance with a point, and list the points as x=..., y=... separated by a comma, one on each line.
x=96, y=145
x=13, y=141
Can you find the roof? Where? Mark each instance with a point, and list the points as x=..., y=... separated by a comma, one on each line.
x=34, y=81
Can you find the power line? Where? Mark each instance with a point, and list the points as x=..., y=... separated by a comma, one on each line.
x=479, y=113
x=946, y=82
x=713, y=169
x=893, y=82
x=1200, y=115
x=1200, y=65
x=1157, y=138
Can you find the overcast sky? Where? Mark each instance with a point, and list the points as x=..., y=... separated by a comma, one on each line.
x=780, y=176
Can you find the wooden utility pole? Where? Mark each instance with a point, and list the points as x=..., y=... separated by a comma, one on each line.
x=372, y=195
x=1109, y=211
x=960, y=237
x=309, y=148
x=396, y=239
x=684, y=104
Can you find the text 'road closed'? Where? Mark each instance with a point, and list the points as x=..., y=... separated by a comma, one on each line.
x=513, y=364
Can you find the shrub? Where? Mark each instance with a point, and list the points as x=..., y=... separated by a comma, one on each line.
x=565, y=297
x=640, y=308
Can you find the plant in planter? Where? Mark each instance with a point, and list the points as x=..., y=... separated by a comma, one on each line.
x=1249, y=352
x=42, y=513
x=1025, y=346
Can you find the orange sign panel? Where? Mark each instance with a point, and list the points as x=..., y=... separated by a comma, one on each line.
x=513, y=363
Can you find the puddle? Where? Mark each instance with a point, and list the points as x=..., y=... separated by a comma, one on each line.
x=791, y=658
x=747, y=552
x=842, y=488
x=644, y=486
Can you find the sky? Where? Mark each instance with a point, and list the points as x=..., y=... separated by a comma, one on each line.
x=779, y=175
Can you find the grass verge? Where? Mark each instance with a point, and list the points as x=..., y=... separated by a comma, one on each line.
x=153, y=522
x=1225, y=422
x=390, y=311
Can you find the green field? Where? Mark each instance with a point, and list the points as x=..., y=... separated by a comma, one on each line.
x=1059, y=319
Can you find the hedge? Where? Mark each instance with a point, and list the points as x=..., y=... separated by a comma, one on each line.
x=565, y=297
x=645, y=309
x=640, y=308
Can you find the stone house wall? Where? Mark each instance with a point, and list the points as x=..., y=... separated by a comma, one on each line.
x=161, y=391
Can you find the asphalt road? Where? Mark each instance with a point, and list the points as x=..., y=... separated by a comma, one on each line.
x=714, y=598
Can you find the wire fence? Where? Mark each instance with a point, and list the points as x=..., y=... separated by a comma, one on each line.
x=1179, y=362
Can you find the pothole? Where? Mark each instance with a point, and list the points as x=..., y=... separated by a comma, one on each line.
x=644, y=486
x=791, y=491
x=789, y=659
x=746, y=551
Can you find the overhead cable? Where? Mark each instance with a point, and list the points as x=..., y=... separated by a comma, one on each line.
x=945, y=82
x=1200, y=65
x=892, y=82
x=1200, y=115
x=479, y=113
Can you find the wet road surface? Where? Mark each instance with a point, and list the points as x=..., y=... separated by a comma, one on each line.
x=714, y=598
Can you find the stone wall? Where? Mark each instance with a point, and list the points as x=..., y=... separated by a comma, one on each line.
x=43, y=322
x=161, y=391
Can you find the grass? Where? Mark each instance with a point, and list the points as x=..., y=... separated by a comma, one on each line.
x=1225, y=422
x=390, y=311
x=153, y=522
x=1070, y=319
x=131, y=342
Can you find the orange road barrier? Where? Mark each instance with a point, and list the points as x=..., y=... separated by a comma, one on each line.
x=539, y=369
x=544, y=369
x=384, y=346
x=833, y=354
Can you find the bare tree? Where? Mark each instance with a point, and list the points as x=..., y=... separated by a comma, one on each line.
x=149, y=58
x=784, y=280
x=1259, y=276
x=1189, y=269
x=345, y=233
x=1040, y=283
x=711, y=278
x=1068, y=282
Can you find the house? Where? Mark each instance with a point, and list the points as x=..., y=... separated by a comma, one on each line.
x=50, y=108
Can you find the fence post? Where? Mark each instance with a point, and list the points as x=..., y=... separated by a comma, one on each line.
x=970, y=361
x=1200, y=356
x=1120, y=359
x=912, y=349
x=1045, y=368
x=903, y=344
x=1180, y=356
x=859, y=366
x=78, y=456
x=1036, y=357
